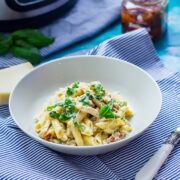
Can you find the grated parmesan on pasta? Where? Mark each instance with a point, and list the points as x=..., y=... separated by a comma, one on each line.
x=84, y=114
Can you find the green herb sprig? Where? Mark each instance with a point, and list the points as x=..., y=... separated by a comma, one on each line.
x=50, y=108
x=85, y=99
x=25, y=44
x=71, y=90
x=106, y=111
x=68, y=110
x=69, y=106
x=99, y=91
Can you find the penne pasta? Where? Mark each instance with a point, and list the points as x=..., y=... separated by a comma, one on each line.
x=44, y=128
x=91, y=111
x=76, y=133
x=80, y=116
x=89, y=141
x=84, y=114
x=59, y=129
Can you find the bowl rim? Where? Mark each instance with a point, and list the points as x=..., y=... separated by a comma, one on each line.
x=69, y=58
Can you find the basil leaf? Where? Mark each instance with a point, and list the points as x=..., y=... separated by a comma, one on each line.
x=2, y=37
x=25, y=50
x=5, y=43
x=23, y=43
x=106, y=112
x=23, y=33
x=31, y=54
x=110, y=104
x=40, y=41
x=34, y=37
x=79, y=126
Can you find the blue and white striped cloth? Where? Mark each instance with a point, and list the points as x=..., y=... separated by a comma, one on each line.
x=23, y=158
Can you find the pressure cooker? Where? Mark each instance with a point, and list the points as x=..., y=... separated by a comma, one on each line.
x=16, y=14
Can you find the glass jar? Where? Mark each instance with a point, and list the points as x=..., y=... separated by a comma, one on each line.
x=150, y=14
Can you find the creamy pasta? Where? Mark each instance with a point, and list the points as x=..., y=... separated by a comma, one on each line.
x=84, y=114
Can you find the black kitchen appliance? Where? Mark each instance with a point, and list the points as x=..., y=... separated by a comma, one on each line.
x=18, y=14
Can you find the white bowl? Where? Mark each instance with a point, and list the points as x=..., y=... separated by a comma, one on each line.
x=133, y=83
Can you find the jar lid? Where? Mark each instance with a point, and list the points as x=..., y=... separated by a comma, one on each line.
x=149, y=2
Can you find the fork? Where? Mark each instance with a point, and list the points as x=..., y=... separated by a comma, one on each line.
x=150, y=169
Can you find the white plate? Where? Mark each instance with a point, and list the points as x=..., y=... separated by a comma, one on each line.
x=133, y=83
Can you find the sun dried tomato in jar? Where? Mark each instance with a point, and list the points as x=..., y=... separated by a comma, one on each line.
x=150, y=14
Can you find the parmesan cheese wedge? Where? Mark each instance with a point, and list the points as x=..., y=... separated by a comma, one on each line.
x=9, y=78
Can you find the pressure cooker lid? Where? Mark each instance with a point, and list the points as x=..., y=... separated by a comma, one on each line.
x=18, y=14
x=29, y=5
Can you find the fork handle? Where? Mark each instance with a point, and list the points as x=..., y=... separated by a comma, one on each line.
x=150, y=169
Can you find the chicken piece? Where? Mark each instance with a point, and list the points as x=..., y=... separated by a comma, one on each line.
x=91, y=111
x=80, y=116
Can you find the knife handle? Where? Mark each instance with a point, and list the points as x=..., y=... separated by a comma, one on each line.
x=150, y=169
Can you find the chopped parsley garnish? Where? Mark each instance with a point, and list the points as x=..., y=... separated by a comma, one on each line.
x=87, y=93
x=106, y=111
x=66, y=116
x=68, y=106
x=85, y=100
x=68, y=110
x=54, y=115
x=62, y=117
x=79, y=126
x=71, y=90
x=98, y=90
x=50, y=108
